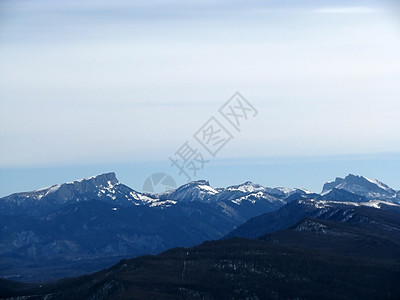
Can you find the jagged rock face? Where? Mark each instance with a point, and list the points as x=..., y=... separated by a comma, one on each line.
x=87, y=188
x=370, y=188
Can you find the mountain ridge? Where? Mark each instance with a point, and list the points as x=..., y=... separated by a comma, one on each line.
x=57, y=229
x=56, y=232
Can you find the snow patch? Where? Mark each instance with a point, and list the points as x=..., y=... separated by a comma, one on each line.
x=165, y=203
x=328, y=203
x=53, y=189
x=142, y=198
x=378, y=183
x=208, y=189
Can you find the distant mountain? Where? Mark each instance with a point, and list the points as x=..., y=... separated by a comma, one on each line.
x=107, y=188
x=313, y=259
x=193, y=191
x=244, y=194
x=340, y=211
x=254, y=188
x=78, y=227
x=104, y=187
x=372, y=189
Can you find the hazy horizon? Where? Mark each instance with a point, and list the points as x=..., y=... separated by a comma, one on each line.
x=93, y=86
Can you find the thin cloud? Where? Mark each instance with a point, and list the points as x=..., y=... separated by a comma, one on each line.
x=346, y=10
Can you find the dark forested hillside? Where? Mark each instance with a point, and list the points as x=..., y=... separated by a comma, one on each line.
x=314, y=259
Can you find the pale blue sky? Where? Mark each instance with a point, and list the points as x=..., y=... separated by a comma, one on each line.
x=93, y=85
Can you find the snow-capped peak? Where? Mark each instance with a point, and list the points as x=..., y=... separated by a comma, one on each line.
x=105, y=179
x=199, y=190
x=247, y=187
x=370, y=188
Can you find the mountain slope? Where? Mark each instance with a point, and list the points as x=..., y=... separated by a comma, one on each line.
x=314, y=259
x=96, y=234
x=349, y=212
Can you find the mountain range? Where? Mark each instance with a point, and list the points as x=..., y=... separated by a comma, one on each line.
x=84, y=226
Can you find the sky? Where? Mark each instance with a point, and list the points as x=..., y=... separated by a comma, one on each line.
x=88, y=87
